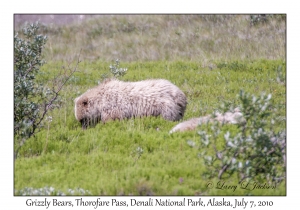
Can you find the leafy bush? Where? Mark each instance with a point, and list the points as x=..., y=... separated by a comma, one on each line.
x=255, y=151
x=27, y=61
x=114, y=71
x=32, y=101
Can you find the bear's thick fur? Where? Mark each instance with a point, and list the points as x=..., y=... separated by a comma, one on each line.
x=228, y=117
x=114, y=99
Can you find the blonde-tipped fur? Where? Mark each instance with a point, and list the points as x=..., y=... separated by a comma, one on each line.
x=228, y=117
x=114, y=99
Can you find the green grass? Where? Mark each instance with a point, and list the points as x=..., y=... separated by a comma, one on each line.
x=106, y=159
x=209, y=59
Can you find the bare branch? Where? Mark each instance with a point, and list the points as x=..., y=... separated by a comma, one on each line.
x=48, y=105
x=222, y=171
x=224, y=168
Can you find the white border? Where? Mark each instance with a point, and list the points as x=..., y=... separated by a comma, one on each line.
x=6, y=40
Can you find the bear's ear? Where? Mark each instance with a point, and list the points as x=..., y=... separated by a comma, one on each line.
x=85, y=102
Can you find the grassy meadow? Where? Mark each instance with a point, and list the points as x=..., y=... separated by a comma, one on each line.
x=209, y=57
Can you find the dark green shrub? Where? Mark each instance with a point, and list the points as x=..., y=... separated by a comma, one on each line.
x=32, y=101
x=27, y=61
x=255, y=151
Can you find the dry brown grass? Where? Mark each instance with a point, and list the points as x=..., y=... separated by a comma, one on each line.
x=204, y=38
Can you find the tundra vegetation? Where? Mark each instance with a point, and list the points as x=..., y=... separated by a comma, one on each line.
x=218, y=61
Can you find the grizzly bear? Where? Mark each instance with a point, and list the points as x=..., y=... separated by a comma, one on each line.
x=114, y=99
x=227, y=118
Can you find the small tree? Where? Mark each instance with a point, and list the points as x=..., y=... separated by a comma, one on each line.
x=255, y=151
x=32, y=101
